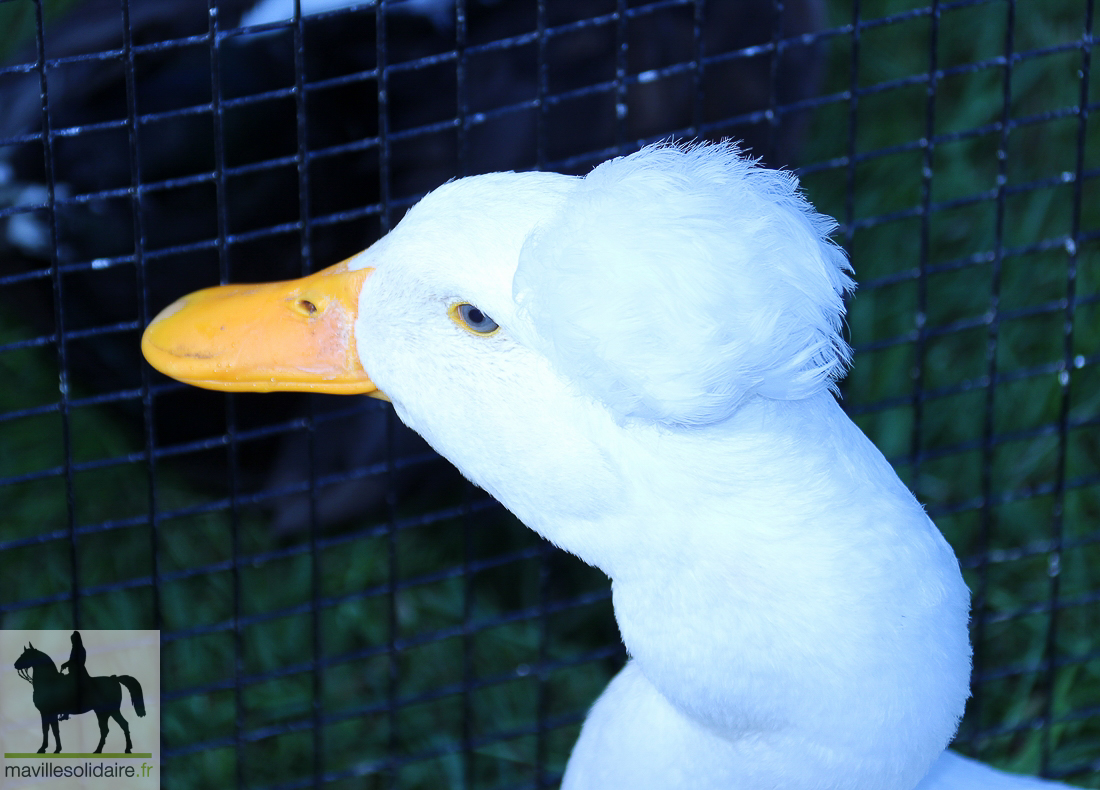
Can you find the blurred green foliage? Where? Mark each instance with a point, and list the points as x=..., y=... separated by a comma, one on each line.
x=17, y=22
x=940, y=171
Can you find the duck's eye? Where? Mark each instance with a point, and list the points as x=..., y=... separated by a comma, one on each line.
x=471, y=318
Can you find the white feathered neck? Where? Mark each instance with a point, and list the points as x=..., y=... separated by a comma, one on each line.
x=657, y=402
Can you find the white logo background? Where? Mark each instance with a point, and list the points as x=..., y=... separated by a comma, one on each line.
x=134, y=653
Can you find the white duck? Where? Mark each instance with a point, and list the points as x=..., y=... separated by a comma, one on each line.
x=638, y=364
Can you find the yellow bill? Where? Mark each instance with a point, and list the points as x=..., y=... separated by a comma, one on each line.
x=296, y=335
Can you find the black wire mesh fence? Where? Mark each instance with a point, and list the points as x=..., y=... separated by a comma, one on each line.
x=337, y=607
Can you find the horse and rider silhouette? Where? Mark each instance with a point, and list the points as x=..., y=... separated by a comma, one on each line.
x=58, y=695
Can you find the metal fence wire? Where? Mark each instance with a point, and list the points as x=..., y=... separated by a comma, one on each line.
x=337, y=607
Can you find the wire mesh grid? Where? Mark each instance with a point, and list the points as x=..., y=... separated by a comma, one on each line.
x=337, y=607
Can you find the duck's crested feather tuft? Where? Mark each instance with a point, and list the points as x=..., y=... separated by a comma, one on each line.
x=677, y=281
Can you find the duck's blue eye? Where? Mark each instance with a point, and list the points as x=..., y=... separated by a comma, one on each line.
x=471, y=318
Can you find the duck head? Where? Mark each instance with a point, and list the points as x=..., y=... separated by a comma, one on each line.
x=520, y=321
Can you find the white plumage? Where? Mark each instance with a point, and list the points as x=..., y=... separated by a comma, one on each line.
x=657, y=401
x=715, y=280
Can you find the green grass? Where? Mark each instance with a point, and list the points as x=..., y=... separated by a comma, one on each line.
x=1004, y=547
x=1024, y=286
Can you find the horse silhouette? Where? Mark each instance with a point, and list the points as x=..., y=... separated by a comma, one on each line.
x=56, y=694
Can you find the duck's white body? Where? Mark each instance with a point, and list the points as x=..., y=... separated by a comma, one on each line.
x=657, y=401
x=862, y=599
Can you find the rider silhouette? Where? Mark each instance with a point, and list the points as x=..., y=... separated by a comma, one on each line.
x=77, y=672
